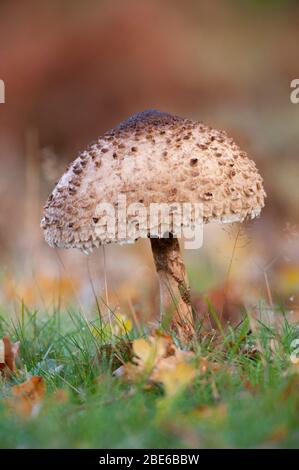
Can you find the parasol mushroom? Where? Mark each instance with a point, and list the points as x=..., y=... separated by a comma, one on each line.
x=153, y=158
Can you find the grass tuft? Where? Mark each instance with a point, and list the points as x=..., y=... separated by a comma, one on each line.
x=249, y=400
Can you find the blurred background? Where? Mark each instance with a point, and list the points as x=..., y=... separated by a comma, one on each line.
x=74, y=69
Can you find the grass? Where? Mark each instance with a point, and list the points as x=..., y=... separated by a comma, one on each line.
x=250, y=401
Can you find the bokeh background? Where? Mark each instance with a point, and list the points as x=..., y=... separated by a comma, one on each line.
x=74, y=69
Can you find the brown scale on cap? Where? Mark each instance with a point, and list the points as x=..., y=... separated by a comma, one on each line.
x=146, y=157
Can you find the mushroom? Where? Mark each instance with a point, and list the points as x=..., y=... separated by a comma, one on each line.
x=151, y=158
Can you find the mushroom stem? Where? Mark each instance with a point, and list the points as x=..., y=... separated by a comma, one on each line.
x=174, y=286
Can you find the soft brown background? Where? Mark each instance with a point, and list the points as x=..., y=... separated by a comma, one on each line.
x=74, y=69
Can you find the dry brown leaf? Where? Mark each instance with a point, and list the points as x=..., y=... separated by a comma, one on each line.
x=149, y=351
x=174, y=377
x=147, y=354
x=27, y=397
x=8, y=354
x=160, y=361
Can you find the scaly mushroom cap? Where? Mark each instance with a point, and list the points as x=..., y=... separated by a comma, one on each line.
x=152, y=157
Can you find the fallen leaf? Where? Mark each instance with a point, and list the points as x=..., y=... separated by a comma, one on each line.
x=158, y=360
x=176, y=377
x=26, y=399
x=8, y=354
x=149, y=351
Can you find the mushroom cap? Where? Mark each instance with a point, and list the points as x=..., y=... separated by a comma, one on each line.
x=152, y=157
